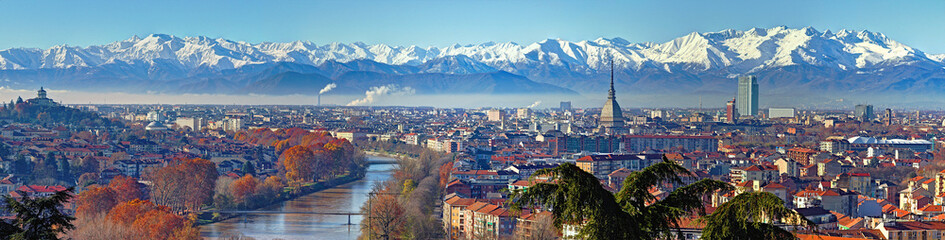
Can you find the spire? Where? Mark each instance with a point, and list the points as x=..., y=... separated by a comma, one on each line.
x=611, y=93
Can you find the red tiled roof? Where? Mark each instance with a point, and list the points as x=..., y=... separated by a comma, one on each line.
x=823, y=237
x=917, y=225
x=487, y=208
x=39, y=188
x=917, y=179
x=901, y=213
x=803, y=150
x=931, y=208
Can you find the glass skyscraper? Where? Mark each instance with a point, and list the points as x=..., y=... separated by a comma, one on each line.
x=747, y=100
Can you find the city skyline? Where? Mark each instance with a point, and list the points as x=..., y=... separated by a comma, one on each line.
x=489, y=119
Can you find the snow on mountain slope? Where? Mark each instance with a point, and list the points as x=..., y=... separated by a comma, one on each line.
x=733, y=50
x=938, y=57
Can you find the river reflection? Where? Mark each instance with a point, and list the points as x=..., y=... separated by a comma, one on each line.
x=344, y=198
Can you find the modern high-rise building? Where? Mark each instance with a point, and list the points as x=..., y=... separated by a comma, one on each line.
x=523, y=113
x=194, y=124
x=731, y=114
x=863, y=112
x=887, y=117
x=747, y=104
x=496, y=115
x=565, y=106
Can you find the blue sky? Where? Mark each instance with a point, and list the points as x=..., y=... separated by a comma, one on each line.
x=44, y=23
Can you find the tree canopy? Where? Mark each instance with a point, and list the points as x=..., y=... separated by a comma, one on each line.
x=576, y=197
x=748, y=216
x=37, y=218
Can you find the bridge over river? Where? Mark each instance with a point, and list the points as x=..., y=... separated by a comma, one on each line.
x=329, y=214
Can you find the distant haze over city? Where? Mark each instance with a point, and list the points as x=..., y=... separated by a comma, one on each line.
x=797, y=67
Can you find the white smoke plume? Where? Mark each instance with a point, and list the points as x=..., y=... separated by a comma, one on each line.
x=327, y=88
x=534, y=104
x=374, y=93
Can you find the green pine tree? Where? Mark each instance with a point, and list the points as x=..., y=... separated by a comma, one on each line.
x=37, y=218
x=248, y=168
x=577, y=197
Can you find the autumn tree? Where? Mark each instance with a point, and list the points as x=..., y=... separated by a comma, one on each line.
x=87, y=179
x=95, y=200
x=168, y=186
x=150, y=221
x=223, y=194
x=444, y=173
x=270, y=188
x=281, y=146
x=160, y=223
x=298, y=162
x=126, y=188
x=540, y=226
x=187, y=185
x=385, y=216
x=202, y=174
x=244, y=189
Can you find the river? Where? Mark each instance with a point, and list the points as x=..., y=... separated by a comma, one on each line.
x=343, y=198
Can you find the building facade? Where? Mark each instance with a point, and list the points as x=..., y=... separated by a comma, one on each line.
x=747, y=100
x=639, y=143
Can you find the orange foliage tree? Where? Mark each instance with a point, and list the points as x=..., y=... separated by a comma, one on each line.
x=184, y=186
x=325, y=156
x=386, y=216
x=244, y=189
x=94, y=201
x=126, y=188
x=150, y=221
x=444, y=173
x=298, y=162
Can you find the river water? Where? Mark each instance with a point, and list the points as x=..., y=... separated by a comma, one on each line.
x=343, y=198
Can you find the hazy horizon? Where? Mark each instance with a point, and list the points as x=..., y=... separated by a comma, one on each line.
x=589, y=100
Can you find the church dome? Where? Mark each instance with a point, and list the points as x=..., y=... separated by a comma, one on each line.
x=155, y=126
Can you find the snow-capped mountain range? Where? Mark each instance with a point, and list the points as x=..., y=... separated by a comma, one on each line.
x=697, y=61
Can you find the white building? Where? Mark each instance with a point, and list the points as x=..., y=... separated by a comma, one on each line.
x=187, y=122
x=523, y=113
x=232, y=124
x=780, y=112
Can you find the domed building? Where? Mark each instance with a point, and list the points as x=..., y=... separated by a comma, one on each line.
x=155, y=126
x=611, y=116
x=41, y=99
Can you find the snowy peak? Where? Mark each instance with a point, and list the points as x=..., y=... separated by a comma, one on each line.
x=938, y=57
x=737, y=51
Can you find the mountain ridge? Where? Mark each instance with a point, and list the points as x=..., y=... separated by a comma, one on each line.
x=696, y=62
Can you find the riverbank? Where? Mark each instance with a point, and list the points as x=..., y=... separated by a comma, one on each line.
x=288, y=193
x=303, y=218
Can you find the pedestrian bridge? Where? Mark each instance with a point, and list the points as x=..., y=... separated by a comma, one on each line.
x=244, y=212
x=378, y=161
